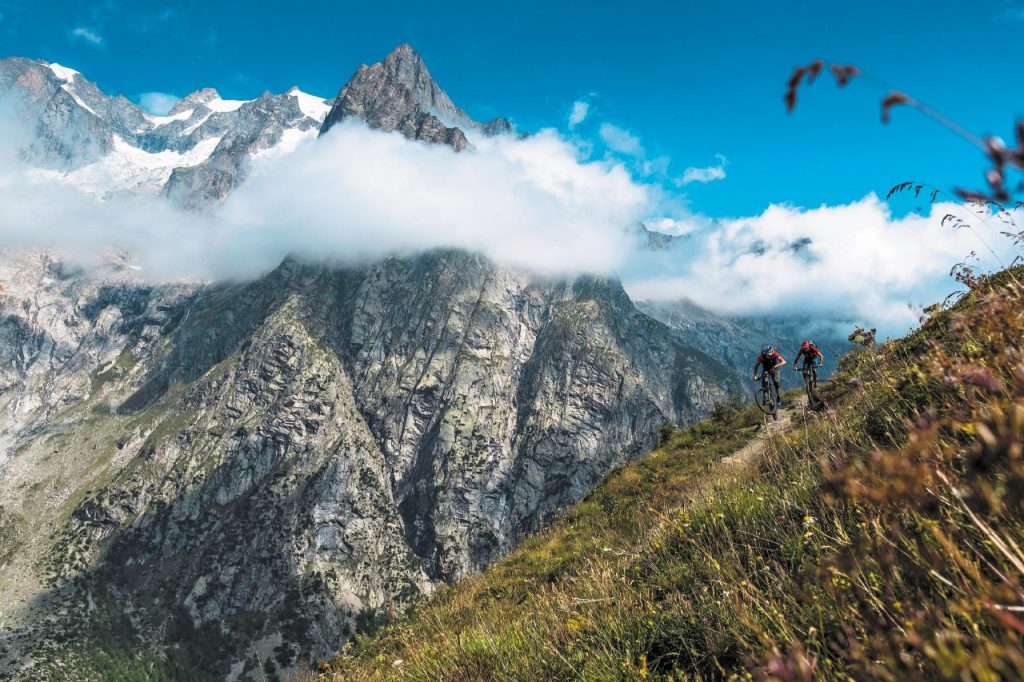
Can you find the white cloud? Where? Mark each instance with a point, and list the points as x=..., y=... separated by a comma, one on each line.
x=357, y=194
x=360, y=194
x=855, y=261
x=157, y=103
x=536, y=203
x=88, y=35
x=619, y=140
x=673, y=226
x=578, y=114
x=706, y=174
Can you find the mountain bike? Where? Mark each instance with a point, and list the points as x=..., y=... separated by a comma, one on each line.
x=811, y=385
x=767, y=399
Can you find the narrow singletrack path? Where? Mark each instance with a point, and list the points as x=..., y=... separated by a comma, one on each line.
x=749, y=452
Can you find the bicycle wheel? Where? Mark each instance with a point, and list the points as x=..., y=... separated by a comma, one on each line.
x=765, y=401
x=813, y=401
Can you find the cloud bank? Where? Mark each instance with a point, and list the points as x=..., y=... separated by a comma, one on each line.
x=539, y=203
x=354, y=195
x=854, y=262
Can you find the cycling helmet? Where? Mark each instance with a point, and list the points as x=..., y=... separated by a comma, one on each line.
x=768, y=350
x=805, y=344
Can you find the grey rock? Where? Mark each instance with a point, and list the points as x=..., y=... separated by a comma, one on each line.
x=321, y=445
x=197, y=99
x=399, y=94
x=737, y=341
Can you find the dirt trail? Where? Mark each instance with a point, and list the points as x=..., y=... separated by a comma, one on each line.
x=745, y=455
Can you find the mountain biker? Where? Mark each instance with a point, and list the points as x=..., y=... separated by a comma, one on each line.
x=771, y=361
x=813, y=359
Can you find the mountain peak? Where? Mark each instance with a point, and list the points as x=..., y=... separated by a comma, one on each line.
x=404, y=66
x=64, y=73
x=402, y=52
x=195, y=99
x=400, y=94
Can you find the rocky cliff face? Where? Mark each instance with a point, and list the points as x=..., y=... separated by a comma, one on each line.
x=737, y=341
x=280, y=463
x=399, y=94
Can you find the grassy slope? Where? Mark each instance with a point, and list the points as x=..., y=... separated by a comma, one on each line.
x=846, y=552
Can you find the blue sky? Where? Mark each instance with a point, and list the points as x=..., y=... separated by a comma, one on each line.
x=685, y=84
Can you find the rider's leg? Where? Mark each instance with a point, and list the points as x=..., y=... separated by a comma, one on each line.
x=775, y=380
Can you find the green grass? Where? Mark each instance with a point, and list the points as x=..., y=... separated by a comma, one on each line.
x=122, y=366
x=865, y=544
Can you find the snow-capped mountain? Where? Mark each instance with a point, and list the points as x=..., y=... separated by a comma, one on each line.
x=205, y=147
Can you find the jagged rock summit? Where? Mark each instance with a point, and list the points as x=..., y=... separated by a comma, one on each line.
x=400, y=94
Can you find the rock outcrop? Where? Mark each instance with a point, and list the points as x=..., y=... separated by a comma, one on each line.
x=399, y=94
x=312, y=449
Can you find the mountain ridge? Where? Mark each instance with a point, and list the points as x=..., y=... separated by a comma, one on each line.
x=365, y=434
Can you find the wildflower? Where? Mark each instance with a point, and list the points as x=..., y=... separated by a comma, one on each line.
x=397, y=662
x=982, y=378
x=809, y=521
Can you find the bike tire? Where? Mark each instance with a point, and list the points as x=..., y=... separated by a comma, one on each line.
x=813, y=401
x=763, y=400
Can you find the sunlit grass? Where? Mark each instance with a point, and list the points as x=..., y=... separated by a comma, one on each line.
x=878, y=540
